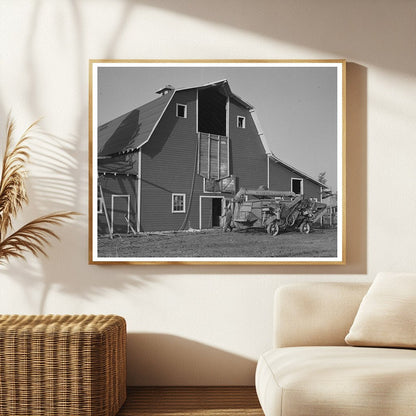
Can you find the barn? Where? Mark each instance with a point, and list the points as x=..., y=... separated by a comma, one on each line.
x=174, y=162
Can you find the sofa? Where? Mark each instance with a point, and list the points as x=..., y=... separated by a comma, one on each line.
x=342, y=349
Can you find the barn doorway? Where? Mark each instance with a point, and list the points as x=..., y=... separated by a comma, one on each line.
x=216, y=212
x=120, y=213
x=211, y=208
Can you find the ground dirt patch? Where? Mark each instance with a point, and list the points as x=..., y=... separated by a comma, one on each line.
x=216, y=243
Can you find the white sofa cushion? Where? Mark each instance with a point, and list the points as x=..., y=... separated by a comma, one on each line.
x=387, y=314
x=341, y=381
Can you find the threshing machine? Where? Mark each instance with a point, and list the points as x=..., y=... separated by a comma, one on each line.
x=275, y=211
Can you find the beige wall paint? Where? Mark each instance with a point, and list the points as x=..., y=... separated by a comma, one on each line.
x=199, y=324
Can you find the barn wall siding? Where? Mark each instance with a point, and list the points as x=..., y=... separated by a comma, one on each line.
x=280, y=177
x=247, y=154
x=193, y=220
x=311, y=190
x=168, y=165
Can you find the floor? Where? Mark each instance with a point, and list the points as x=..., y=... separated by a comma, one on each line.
x=187, y=401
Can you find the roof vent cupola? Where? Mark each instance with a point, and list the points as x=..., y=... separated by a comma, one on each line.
x=165, y=89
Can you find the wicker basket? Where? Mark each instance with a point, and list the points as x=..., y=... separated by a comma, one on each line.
x=71, y=365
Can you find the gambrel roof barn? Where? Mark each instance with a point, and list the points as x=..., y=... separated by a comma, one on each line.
x=174, y=162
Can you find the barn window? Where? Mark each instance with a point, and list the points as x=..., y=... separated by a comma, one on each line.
x=241, y=122
x=178, y=202
x=297, y=186
x=181, y=110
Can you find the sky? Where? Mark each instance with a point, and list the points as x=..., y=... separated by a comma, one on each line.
x=296, y=106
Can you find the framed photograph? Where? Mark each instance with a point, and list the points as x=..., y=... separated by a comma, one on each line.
x=217, y=162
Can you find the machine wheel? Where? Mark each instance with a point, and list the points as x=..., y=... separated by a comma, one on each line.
x=305, y=228
x=273, y=228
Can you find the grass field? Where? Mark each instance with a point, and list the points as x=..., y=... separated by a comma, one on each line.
x=216, y=243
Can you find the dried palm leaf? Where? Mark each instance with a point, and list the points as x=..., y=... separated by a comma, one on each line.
x=12, y=183
x=33, y=237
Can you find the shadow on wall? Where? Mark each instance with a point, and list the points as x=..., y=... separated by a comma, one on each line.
x=161, y=359
x=59, y=181
x=53, y=186
x=333, y=27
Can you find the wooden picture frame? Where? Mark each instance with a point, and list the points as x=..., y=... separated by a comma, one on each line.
x=182, y=152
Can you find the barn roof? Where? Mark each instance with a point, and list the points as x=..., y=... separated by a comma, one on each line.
x=225, y=86
x=132, y=130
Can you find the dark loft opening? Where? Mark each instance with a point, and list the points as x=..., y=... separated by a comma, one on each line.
x=212, y=114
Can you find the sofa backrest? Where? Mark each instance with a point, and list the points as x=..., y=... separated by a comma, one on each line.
x=309, y=314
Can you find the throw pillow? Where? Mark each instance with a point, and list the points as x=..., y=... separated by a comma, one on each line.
x=387, y=314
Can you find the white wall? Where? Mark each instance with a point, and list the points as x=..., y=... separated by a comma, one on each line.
x=202, y=324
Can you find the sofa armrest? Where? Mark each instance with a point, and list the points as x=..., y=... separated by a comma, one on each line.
x=315, y=313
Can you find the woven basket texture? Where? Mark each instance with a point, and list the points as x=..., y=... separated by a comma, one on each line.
x=53, y=365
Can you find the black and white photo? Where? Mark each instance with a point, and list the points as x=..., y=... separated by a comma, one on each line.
x=217, y=162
